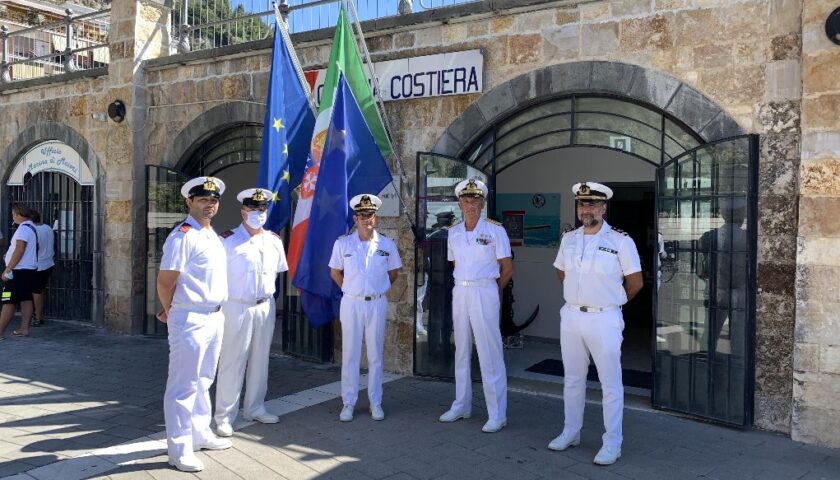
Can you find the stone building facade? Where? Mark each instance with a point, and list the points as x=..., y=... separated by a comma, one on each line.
x=722, y=67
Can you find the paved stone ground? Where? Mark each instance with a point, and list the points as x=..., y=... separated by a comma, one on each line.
x=71, y=389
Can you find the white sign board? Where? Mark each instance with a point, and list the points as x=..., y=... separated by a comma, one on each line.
x=390, y=196
x=455, y=73
x=51, y=156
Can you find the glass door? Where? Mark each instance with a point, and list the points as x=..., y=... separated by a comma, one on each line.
x=165, y=208
x=706, y=207
x=437, y=209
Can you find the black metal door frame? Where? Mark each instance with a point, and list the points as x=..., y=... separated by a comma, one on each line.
x=68, y=207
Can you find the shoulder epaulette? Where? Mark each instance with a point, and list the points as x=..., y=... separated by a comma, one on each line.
x=276, y=234
x=619, y=231
x=226, y=234
x=493, y=222
x=185, y=227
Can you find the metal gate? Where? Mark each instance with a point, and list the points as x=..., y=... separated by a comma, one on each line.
x=67, y=207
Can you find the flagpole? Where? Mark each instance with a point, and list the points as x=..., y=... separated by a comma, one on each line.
x=284, y=30
x=380, y=104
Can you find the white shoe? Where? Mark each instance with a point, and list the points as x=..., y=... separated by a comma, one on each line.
x=224, y=429
x=263, y=417
x=607, y=455
x=453, y=416
x=564, y=441
x=187, y=463
x=377, y=413
x=214, y=443
x=493, y=426
x=346, y=414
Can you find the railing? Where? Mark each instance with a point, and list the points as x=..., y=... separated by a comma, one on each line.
x=76, y=42
x=212, y=24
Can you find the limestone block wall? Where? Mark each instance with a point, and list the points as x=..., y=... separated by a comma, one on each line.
x=816, y=376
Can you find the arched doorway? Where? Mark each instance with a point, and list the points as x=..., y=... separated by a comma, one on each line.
x=52, y=179
x=690, y=186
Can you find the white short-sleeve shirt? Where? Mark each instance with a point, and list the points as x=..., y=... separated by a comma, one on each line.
x=365, y=264
x=595, y=267
x=29, y=259
x=477, y=253
x=198, y=254
x=253, y=263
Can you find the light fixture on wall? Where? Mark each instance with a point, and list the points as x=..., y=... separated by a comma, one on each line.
x=116, y=110
x=832, y=26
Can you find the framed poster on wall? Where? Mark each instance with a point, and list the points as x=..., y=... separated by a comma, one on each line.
x=530, y=219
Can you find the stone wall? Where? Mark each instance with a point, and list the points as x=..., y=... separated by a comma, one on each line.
x=816, y=376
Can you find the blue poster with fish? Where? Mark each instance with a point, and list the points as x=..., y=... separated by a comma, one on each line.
x=530, y=219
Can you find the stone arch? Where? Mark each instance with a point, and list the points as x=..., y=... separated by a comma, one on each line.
x=50, y=131
x=205, y=125
x=56, y=131
x=651, y=87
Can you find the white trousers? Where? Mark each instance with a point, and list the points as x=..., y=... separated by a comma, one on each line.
x=598, y=334
x=475, y=312
x=246, y=344
x=194, y=342
x=362, y=319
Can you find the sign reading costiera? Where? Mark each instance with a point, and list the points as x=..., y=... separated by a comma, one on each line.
x=455, y=73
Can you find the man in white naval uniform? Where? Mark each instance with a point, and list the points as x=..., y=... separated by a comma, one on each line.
x=254, y=259
x=480, y=249
x=191, y=285
x=363, y=264
x=600, y=270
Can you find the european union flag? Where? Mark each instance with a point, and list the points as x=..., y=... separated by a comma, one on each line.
x=287, y=131
x=351, y=164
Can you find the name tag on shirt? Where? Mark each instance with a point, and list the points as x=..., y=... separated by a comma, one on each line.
x=382, y=253
x=608, y=250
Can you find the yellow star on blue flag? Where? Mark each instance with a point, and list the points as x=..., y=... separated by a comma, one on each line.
x=287, y=127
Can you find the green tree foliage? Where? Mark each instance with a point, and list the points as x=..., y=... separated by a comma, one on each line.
x=201, y=12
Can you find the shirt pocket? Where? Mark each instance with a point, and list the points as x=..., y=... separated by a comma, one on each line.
x=607, y=263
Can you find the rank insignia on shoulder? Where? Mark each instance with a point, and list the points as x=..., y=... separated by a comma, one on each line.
x=618, y=230
x=185, y=227
x=493, y=222
x=609, y=250
x=226, y=234
x=276, y=234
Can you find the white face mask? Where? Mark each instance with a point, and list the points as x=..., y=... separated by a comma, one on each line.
x=256, y=220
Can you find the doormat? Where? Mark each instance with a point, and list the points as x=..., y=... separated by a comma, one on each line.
x=630, y=378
